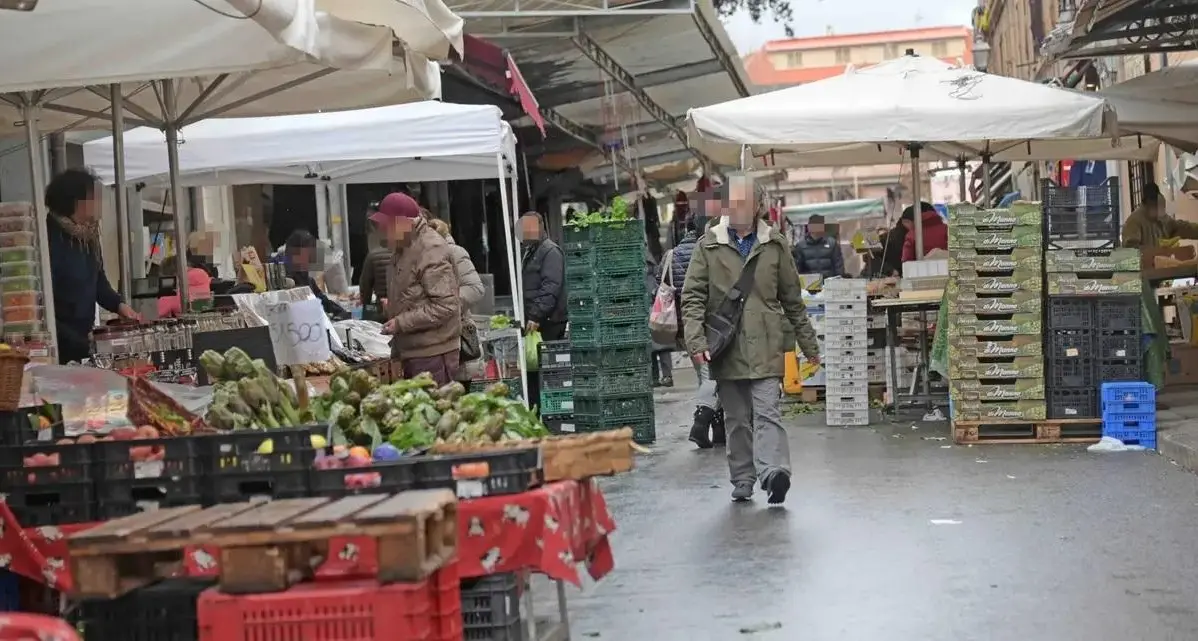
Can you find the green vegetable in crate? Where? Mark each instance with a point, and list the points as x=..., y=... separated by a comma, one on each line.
x=412, y=434
x=448, y=424
x=499, y=390
x=237, y=365
x=450, y=392
x=392, y=421
x=376, y=405
x=213, y=364
x=499, y=321
x=362, y=382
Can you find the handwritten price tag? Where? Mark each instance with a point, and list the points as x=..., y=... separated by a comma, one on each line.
x=297, y=332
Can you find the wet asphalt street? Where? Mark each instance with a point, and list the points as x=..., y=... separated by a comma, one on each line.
x=1030, y=543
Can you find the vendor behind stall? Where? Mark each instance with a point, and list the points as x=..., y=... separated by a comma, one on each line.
x=76, y=267
x=372, y=282
x=299, y=254
x=199, y=286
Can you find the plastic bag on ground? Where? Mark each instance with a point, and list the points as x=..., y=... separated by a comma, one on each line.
x=1112, y=444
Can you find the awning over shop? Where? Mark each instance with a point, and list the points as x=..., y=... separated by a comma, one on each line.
x=417, y=142
x=1124, y=27
x=841, y=211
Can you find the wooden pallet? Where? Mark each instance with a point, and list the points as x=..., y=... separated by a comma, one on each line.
x=818, y=393
x=572, y=456
x=1080, y=430
x=266, y=546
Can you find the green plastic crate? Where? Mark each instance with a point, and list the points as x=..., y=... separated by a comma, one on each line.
x=608, y=311
x=557, y=402
x=585, y=332
x=644, y=428
x=606, y=260
x=623, y=232
x=609, y=357
x=593, y=381
x=607, y=286
x=613, y=407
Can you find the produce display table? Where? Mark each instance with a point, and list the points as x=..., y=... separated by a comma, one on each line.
x=546, y=530
x=894, y=309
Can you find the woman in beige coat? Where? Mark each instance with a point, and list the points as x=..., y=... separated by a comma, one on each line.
x=470, y=286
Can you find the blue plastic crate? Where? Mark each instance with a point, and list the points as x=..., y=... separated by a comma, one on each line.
x=1145, y=439
x=1128, y=397
x=1128, y=421
x=10, y=591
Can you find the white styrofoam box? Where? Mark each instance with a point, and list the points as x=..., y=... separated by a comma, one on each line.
x=845, y=357
x=847, y=341
x=850, y=405
x=847, y=310
x=842, y=326
x=848, y=387
x=840, y=376
x=839, y=367
x=839, y=284
x=877, y=321
x=925, y=268
x=846, y=418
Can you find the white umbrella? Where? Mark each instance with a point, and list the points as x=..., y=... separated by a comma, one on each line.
x=867, y=115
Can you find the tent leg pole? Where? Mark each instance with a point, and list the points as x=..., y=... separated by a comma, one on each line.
x=916, y=199
x=124, y=237
x=37, y=168
x=512, y=262
x=171, y=125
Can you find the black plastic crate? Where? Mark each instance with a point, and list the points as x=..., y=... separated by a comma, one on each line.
x=1073, y=402
x=491, y=608
x=164, y=611
x=1120, y=345
x=1070, y=343
x=1071, y=372
x=161, y=458
x=1069, y=312
x=560, y=424
x=22, y=426
x=1081, y=213
x=244, y=451
x=239, y=487
x=118, y=498
x=1119, y=313
x=375, y=479
x=1120, y=371
x=483, y=473
x=557, y=379
x=554, y=355
x=60, y=503
x=45, y=463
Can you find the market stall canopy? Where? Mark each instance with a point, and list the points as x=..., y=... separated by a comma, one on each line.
x=841, y=211
x=425, y=141
x=1161, y=103
x=870, y=116
x=228, y=56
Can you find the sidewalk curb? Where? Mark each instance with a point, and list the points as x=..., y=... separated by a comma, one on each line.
x=1178, y=440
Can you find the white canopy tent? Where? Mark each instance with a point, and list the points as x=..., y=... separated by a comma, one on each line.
x=1162, y=103
x=170, y=62
x=422, y=141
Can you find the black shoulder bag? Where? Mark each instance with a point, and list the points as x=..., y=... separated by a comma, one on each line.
x=724, y=323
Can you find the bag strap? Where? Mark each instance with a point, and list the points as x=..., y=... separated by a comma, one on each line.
x=667, y=265
x=744, y=282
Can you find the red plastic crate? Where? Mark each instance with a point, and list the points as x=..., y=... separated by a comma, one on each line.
x=446, y=585
x=342, y=611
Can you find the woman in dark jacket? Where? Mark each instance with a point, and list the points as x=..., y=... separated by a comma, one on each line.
x=76, y=268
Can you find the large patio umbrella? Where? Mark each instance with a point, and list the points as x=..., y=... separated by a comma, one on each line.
x=170, y=62
x=908, y=108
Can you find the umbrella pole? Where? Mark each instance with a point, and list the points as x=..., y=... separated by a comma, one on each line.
x=916, y=197
x=171, y=127
x=37, y=168
x=124, y=240
x=986, y=197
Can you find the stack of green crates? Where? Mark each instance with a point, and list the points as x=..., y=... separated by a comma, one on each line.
x=609, y=328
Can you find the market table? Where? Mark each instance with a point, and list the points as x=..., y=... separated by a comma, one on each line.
x=895, y=308
x=547, y=530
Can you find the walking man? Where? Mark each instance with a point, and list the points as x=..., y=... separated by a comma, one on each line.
x=744, y=337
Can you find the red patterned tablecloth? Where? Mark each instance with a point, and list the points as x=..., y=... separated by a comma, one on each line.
x=548, y=530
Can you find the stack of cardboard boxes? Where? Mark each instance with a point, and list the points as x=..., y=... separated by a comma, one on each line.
x=846, y=339
x=995, y=298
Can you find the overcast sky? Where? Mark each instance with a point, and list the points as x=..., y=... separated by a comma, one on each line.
x=813, y=17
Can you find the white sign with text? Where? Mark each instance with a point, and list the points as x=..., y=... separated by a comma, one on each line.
x=297, y=332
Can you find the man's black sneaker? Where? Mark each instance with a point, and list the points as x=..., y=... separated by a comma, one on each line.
x=698, y=436
x=776, y=488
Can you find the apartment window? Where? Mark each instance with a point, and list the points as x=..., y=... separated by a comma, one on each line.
x=842, y=56
x=794, y=59
x=940, y=48
x=1139, y=174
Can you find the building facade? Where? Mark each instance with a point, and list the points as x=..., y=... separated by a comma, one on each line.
x=795, y=61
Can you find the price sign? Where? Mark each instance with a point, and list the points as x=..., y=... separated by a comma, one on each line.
x=297, y=332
